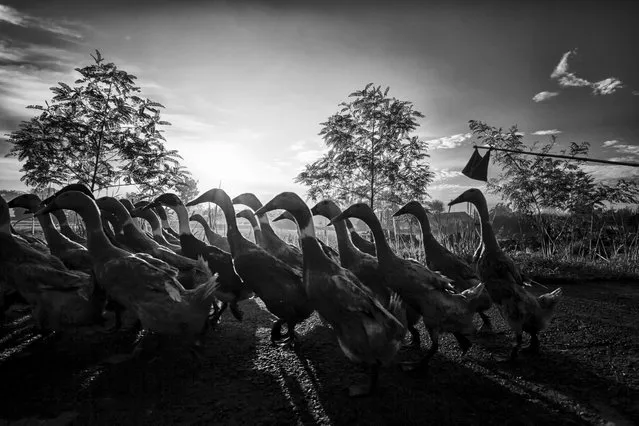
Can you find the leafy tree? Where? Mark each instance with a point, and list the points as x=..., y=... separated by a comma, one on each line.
x=187, y=188
x=100, y=132
x=533, y=184
x=436, y=206
x=372, y=155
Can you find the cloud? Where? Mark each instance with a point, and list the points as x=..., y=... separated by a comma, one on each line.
x=547, y=132
x=449, y=142
x=14, y=17
x=565, y=78
x=544, y=96
x=610, y=172
x=635, y=92
x=610, y=143
x=445, y=174
x=627, y=149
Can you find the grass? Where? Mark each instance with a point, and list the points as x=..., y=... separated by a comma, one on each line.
x=561, y=266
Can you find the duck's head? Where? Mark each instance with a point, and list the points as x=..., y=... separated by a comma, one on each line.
x=289, y=201
x=79, y=187
x=113, y=206
x=412, y=207
x=360, y=211
x=248, y=215
x=248, y=199
x=77, y=201
x=472, y=195
x=29, y=202
x=285, y=215
x=215, y=195
x=326, y=208
x=168, y=199
x=138, y=209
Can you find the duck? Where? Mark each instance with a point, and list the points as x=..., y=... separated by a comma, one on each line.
x=285, y=252
x=231, y=288
x=60, y=299
x=428, y=292
x=214, y=238
x=439, y=258
x=366, y=331
x=520, y=309
x=143, y=284
x=30, y=241
x=364, y=265
x=360, y=242
x=330, y=251
x=72, y=254
x=276, y=283
x=156, y=229
x=250, y=216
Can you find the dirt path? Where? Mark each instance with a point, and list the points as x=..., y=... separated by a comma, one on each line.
x=588, y=373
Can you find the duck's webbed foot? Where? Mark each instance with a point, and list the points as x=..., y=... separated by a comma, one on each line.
x=422, y=365
x=533, y=347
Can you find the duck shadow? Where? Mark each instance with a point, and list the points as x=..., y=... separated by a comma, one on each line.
x=449, y=392
x=56, y=376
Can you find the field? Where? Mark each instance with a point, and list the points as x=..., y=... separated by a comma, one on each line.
x=588, y=373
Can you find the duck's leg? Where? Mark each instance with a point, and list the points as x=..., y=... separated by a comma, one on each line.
x=276, y=331
x=464, y=343
x=235, y=310
x=368, y=388
x=487, y=324
x=290, y=339
x=533, y=348
x=423, y=363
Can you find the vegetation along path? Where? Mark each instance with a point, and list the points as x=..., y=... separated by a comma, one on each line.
x=588, y=373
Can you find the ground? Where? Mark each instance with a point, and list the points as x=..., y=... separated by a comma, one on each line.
x=588, y=373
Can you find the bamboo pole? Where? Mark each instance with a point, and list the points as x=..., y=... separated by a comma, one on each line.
x=568, y=157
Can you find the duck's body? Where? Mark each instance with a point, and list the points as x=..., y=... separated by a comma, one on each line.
x=273, y=244
x=213, y=237
x=60, y=299
x=143, y=284
x=276, y=283
x=522, y=310
x=366, y=331
x=439, y=258
x=426, y=291
x=230, y=289
x=364, y=266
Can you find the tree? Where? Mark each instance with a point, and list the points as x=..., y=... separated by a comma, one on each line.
x=436, y=206
x=100, y=132
x=187, y=188
x=372, y=155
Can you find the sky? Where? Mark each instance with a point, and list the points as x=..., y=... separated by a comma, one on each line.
x=247, y=84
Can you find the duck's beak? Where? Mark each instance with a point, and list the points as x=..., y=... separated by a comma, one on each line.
x=457, y=200
x=280, y=217
x=343, y=215
x=154, y=203
x=400, y=212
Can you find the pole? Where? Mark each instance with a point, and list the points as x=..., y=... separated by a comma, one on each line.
x=592, y=160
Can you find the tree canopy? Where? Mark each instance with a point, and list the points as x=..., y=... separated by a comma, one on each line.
x=101, y=132
x=372, y=154
x=530, y=184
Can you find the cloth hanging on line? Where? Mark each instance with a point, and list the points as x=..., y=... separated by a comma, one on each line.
x=477, y=166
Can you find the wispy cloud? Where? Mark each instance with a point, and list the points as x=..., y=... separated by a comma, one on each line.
x=449, y=142
x=547, y=132
x=445, y=174
x=627, y=149
x=606, y=144
x=544, y=96
x=565, y=78
x=15, y=17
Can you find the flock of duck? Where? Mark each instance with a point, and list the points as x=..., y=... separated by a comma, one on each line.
x=176, y=284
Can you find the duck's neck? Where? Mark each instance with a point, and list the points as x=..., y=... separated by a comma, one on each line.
x=487, y=233
x=5, y=220
x=311, y=248
x=51, y=234
x=427, y=234
x=347, y=250
x=154, y=222
x=383, y=250
x=97, y=241
x=183, y=220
